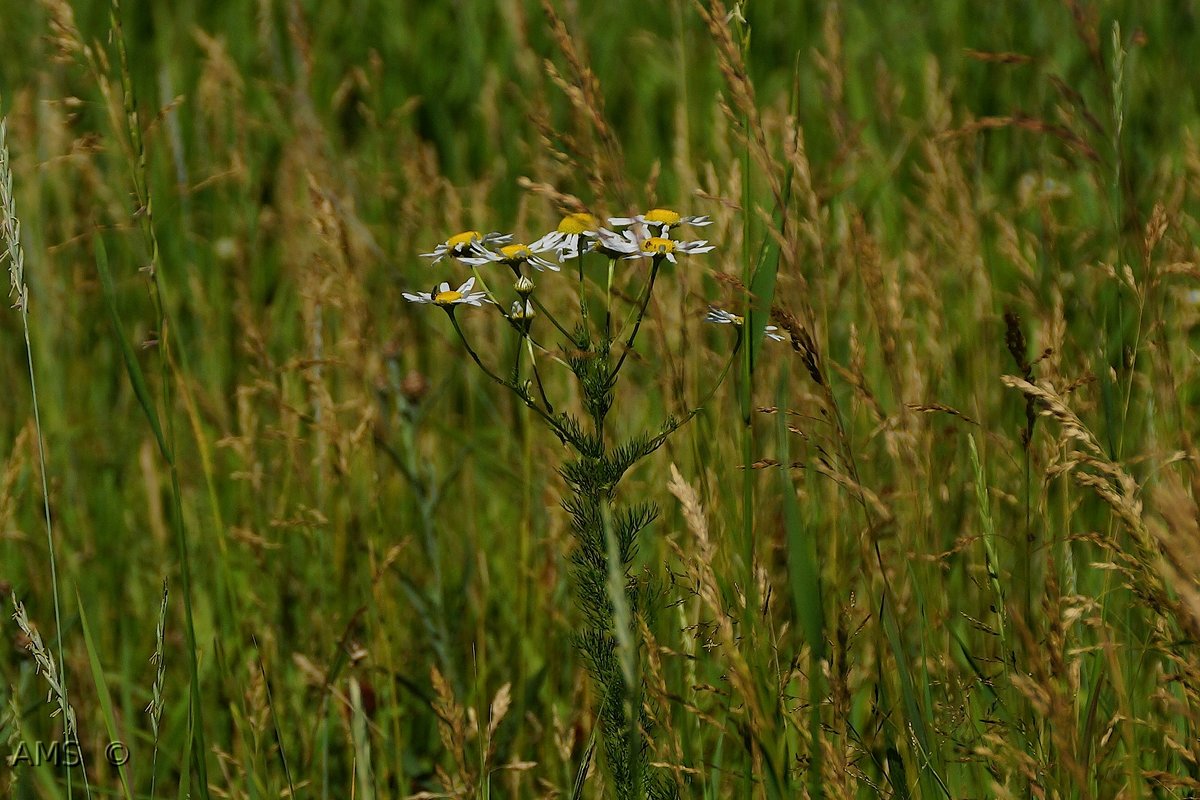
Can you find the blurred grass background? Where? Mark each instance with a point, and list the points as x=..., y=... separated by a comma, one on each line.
x=362, y=508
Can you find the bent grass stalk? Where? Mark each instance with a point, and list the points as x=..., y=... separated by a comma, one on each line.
x=10, y=224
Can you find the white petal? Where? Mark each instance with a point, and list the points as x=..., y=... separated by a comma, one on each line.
x=547, y=242
x=466, y=287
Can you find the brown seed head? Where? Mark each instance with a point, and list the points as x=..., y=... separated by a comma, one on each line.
x=414, y=386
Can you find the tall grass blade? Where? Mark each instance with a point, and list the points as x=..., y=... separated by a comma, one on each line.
x=103, y=696
x=804, y=579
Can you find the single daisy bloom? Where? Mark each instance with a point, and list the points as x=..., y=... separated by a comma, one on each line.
x=574, y=233
x=577, y=224
x=663, y=219
x=447, y=298
x=515, y=255
x=626, y=244
x=722, y=317
x=462, y=244
x=662, y=247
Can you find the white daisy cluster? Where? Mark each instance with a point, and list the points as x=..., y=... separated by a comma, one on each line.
x=645, y=235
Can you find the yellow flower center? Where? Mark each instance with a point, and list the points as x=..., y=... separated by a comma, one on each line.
x=662, y=216
x=737, y=320
x=578, y=223
x=461, y=241
x=658, y=246
x=516, y=252
x=447, y=298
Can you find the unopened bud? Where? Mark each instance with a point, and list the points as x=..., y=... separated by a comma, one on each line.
x=522, y=311
x=524, y=286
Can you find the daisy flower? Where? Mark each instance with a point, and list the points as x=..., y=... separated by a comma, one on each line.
x=576, y=231
x=515, y=255
x=447, y=298
x=664, y=219
x=462, y=244
x=662, y=247
x=722, y=317
x=626, y=244
x=610, y=244
x=576, y=224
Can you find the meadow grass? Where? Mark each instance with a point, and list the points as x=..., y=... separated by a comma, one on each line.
x=942, y=541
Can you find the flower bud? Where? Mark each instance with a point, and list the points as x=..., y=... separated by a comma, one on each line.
x=524, y=286
x=522, y=311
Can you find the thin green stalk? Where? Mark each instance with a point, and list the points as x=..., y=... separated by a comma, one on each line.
x=583, y=309
x=551, y=421
x=612, y=264
x=262, y=671
x=140, y=176
x=1118, y=127
x=554, y=321
x=516, y=373
x=15, y=254
x=641, y=315
x=537, y=376
x=524, y=544
x=746, y=393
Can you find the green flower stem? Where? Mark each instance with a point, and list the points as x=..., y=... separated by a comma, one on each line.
x=641, y=315
x=688, y=417
x=612, y=263
x=516, y=374
x=483, y=285
x=583, y=310
x=551, y=421
x=546, y=312
x=471, y=351
x=737, y=346
x=537, y=376
x=537, y=304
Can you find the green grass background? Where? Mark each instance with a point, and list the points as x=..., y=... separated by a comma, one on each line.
x=306, y=476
